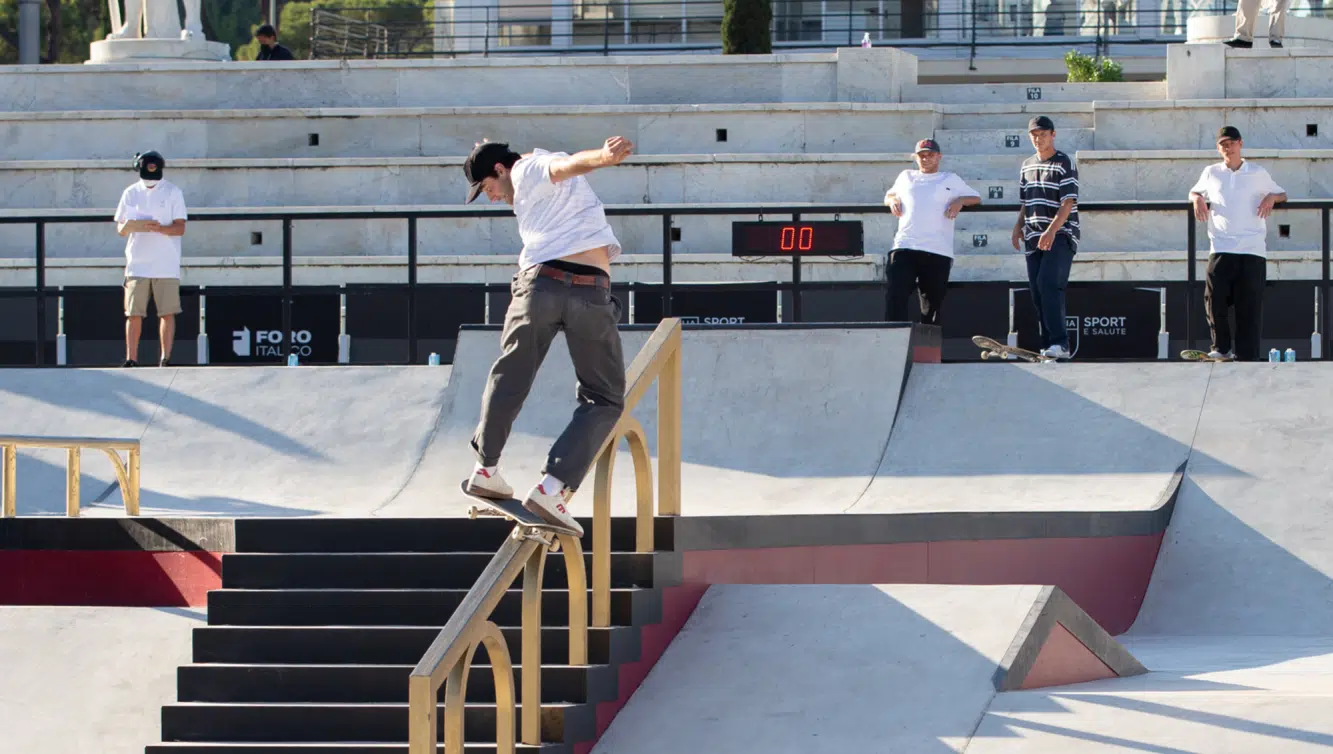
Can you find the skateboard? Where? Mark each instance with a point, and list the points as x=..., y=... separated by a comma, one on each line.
x=991, y=348
x=513, y=510
x=1190, y=354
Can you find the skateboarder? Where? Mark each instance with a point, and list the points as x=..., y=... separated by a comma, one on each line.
x=1235, y=197
x=927, y=200
x=563, y=284
x=1047, y=232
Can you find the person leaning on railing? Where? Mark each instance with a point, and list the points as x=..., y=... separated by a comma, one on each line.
x=563, y=284
x=926, y=201
x=1235, y=197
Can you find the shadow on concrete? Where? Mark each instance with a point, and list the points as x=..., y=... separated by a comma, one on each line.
x=41, y=493
x=117, y=395
x=825, y=668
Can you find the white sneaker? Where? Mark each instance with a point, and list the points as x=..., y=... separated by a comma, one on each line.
x=491, y=486
x=551, y=508
x=1056, y=352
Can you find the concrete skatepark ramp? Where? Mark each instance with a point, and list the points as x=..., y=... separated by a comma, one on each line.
x=855, y=668
x=228, y=441
x=394, y=441
x=1236, y=625
x=777, y=421
x=807, y=421
x=780, y=420
x=1080, y=437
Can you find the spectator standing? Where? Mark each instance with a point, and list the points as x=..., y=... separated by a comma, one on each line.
x=1235, y=197
x=1047, y=232
x=1247, y=13
x=269, y=49
x=926, y=200
x=151, y=214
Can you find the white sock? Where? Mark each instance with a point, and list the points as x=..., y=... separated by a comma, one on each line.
x=551, y=486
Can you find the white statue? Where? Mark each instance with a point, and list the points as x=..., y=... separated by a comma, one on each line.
x=155, y=19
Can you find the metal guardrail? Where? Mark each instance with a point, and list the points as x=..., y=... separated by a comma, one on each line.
x=127, y=471
x=448, y=661
x=604, y=27
x=337, y=36
x=666, y=212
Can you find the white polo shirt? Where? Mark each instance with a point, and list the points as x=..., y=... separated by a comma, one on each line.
x=1234, y=225
x=152, y=255
x=556, y=220
x=923, y=226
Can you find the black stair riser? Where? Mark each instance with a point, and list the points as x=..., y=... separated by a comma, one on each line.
x=353, y=723
x=397, y=608
x=370, y=684
x=278, y=535
x=405, y=571
x=474, y=747
x=386, y=646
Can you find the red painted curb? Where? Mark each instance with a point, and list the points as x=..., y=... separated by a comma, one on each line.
x=99, y=578
x=1107, y=576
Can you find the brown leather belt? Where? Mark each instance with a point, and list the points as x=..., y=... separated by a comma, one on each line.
x=594, y=281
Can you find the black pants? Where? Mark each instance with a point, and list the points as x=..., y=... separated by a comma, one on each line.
x=924, y=271
x=1236, y=280
x=1048, y=275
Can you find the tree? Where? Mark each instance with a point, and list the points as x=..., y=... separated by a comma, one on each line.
x=407, y=22
x=746, y=27
x=67, y=28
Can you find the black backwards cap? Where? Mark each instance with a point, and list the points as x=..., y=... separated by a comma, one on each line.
x=480, y=165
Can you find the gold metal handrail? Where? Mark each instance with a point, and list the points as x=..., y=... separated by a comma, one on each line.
x=449, y=659
x=658, y=361
x=127, y=471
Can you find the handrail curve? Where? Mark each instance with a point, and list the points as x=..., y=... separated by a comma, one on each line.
x=448, y=660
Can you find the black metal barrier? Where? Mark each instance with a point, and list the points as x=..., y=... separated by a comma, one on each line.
x=648, y=301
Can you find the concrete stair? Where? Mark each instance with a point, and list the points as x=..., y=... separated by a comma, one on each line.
x=310, y=641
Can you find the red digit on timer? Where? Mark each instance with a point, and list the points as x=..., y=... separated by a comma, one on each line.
x=788, y=238
x=807, y=238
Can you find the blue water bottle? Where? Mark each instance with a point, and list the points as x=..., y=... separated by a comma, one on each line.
x=434, y=360
x=1290, y=356
x=292, y=360
x=1274, y=356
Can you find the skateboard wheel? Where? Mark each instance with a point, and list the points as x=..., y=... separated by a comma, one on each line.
x=555, y=545
x=985, y=355
x=472, y=512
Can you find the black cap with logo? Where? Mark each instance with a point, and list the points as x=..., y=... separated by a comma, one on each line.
x=150, y=165
x=1228, y=132
x=927, y=145
x=1041, y=123
x=480, y=165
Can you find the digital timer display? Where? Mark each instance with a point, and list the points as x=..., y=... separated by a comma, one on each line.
x=829, y=238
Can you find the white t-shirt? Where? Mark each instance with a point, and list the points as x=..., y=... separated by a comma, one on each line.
x=924, y=197
x=1234, y=225
x=152, y=255
x=556, y=220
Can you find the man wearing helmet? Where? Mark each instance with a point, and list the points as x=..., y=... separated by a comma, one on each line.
x=151, y=214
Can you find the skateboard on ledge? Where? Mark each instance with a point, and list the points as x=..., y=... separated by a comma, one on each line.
x=513, y=510
x=994, y=349
x=1190, y=354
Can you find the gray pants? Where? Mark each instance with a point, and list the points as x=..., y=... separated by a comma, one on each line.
x=542, y=307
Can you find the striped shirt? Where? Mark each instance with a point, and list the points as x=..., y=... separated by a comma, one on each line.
x=1043, y=185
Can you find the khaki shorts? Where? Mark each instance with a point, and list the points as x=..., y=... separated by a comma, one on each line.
x=165, y=292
